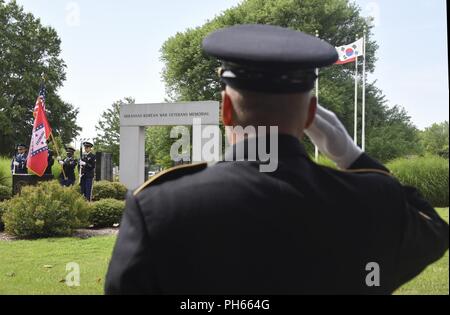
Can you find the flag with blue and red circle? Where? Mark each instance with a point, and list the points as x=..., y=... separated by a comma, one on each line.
x=349, y=53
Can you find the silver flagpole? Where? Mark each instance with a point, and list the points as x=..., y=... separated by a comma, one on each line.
x=316, y=153
x=355, y=131
x=364, y=95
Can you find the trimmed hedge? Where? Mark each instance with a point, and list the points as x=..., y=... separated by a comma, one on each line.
x=5, y=193
x=108, y=190
x=106, y=212
x=428, y=174
x=47, y=209
x=103, y=190
x=121, y=190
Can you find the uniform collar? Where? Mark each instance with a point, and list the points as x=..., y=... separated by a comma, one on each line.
x=287, y=146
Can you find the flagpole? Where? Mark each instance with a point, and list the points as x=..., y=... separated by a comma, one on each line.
x=81, y=156
x=355, y=130
x=316, y=149
x=14, y=166
x=364, y=94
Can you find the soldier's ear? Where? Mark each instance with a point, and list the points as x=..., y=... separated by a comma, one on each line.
x=312, y=109
x=227, y=109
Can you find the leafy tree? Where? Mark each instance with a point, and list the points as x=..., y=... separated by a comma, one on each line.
x=191, y=76
x=157, y=144
x=434, y=139
x=394, y=137
x=108, y=129
x=28, y=49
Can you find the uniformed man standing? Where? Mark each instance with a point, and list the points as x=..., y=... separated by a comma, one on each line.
x=19, y=161
x=68, y=165
x=87, y=170
x=301, y=229
x=50, y=162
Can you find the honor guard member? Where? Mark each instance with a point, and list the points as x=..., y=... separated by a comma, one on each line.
x=50, y=162
x=302, y=229
x=19, y=161
x=68, y=164
x=87, y=170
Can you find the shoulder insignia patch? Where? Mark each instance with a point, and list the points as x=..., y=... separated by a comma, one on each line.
x=172, y=173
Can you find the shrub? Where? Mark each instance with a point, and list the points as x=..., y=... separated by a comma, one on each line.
x=5, y=172
x=108, y=190
x=103, y=190
x=5, y=193
x=47, y=209
x=121, y=190
x=443, y=152
x=428, y=174
x=56, y=169
x=106, y=212
x=2, y=210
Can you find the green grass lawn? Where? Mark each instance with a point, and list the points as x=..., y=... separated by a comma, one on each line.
x=39, y=267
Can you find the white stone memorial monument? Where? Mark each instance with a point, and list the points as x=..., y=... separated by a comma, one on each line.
x=134, y=118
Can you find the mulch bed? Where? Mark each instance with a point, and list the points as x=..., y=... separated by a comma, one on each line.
x=5, y=237
x=81, y=233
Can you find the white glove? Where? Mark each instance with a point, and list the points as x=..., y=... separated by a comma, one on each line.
x=82, y=163
x=16, y=163
x=61, y=162
x=59, y=158
x=330, y=136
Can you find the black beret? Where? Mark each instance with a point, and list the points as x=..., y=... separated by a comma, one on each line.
x=87, y=144
x=268, y=58
x=22, y=146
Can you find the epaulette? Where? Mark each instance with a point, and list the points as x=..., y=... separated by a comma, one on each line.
x=368, y=170
x=360, y=170
x=171, y=174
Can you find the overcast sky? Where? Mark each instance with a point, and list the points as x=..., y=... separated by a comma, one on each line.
x=112, y=50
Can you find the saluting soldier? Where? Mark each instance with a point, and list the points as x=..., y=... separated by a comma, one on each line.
x=87, y=170
x=19, y=161
x=68, y=164
x=301, y=229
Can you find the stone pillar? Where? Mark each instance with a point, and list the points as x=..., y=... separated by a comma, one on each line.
x=132, y=156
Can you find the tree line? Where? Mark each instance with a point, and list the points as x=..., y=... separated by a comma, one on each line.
x=28, y=49
x=191, y=76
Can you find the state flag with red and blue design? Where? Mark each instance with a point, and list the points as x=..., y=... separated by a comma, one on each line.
x=37, y=161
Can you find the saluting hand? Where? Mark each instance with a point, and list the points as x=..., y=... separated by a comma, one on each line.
x=330, y=136
x=82, y=163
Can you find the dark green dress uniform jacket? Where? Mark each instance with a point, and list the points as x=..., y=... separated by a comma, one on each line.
x=303, y=229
